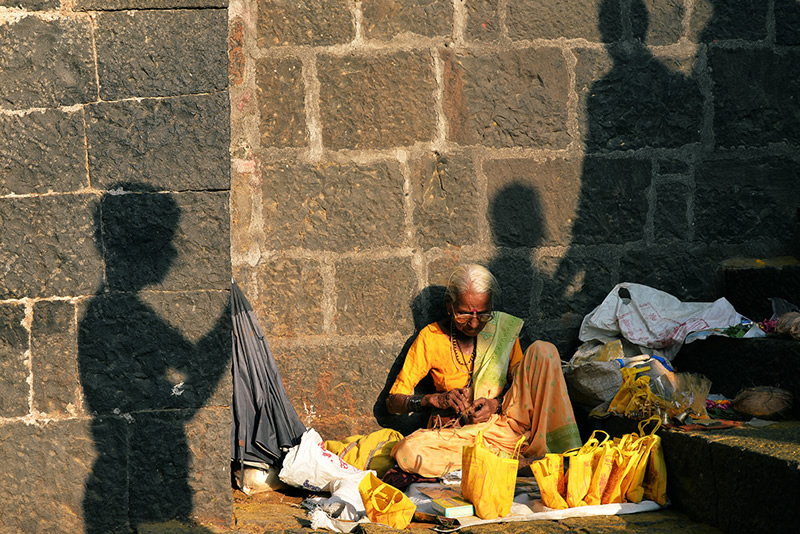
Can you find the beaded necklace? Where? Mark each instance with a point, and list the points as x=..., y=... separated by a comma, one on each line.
x=459, y=356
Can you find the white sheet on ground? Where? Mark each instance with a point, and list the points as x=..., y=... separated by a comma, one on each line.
x=527, y=508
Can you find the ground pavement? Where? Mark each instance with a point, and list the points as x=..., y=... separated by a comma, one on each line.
x=280, y=512
x=744, y=480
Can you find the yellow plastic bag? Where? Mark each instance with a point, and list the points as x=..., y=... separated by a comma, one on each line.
x=487, y=480
x=370, y=452
x=549, y=473
x=385, y=504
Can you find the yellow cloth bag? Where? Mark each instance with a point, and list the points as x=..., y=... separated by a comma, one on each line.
x=582, y=465
x=636, y=451
x=370, y=452
x=649, y=445
x=626, y=469
x=549, y=473
x=635, y=399
x=655, y=477
x=487, y=479
x=603, y=462
x=385, y=504
x=627, y=481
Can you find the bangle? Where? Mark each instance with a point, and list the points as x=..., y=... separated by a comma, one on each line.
x=499, y=405
x=414, y=403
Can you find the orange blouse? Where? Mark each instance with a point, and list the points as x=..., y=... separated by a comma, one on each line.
x=432, y=353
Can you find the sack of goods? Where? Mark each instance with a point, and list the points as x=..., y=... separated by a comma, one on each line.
x=625, y=469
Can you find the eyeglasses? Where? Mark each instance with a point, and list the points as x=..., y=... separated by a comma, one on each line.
x=465, y=317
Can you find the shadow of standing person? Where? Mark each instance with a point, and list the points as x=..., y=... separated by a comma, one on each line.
x=637, y=110
x=143, y=379
x=639, y=102
x=515, y=218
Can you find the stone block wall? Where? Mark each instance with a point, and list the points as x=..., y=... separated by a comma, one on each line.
x=567, y=144
x=115, y=255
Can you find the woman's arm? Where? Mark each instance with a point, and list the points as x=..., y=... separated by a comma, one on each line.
x=458, y=399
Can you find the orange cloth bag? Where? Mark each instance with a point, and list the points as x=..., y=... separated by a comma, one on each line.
x=487, y=479
x=549, y=473
x=385, y=504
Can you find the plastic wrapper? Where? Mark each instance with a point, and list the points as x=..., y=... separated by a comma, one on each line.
x=683, y=395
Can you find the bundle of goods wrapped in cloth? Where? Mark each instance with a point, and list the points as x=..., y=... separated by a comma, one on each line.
x=624, y=365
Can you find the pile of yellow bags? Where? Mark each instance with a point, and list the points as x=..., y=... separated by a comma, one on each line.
x=625, y=469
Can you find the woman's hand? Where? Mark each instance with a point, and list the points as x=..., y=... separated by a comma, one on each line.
x=458, y=399
x=481, y=410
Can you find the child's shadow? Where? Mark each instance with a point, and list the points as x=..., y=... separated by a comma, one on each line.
x=142, y=379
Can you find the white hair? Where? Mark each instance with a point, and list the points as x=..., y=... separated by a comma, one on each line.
x=471, y=276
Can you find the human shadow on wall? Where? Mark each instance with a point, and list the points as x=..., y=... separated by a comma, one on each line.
x=639, y=103
x=515, y=218
x=427, y=307
x=143, y=380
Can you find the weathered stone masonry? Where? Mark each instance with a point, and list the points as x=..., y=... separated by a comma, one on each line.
x=115, y=254
x=567, y=144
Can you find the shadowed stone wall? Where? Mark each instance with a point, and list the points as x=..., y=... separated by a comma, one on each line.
x=115, y=255
x=567, y=144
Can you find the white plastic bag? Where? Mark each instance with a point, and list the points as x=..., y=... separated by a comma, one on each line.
x=308, y=465
x=651, y=318
x=346, y=497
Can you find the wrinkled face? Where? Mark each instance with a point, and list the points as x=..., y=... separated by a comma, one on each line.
x=471, y=311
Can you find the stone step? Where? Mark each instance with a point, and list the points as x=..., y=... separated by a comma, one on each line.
x=744, y=479
x=739, y=480
x=749, y=283
x=735, y=364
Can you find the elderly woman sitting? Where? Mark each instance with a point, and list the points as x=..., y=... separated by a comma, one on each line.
x=483, y=381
